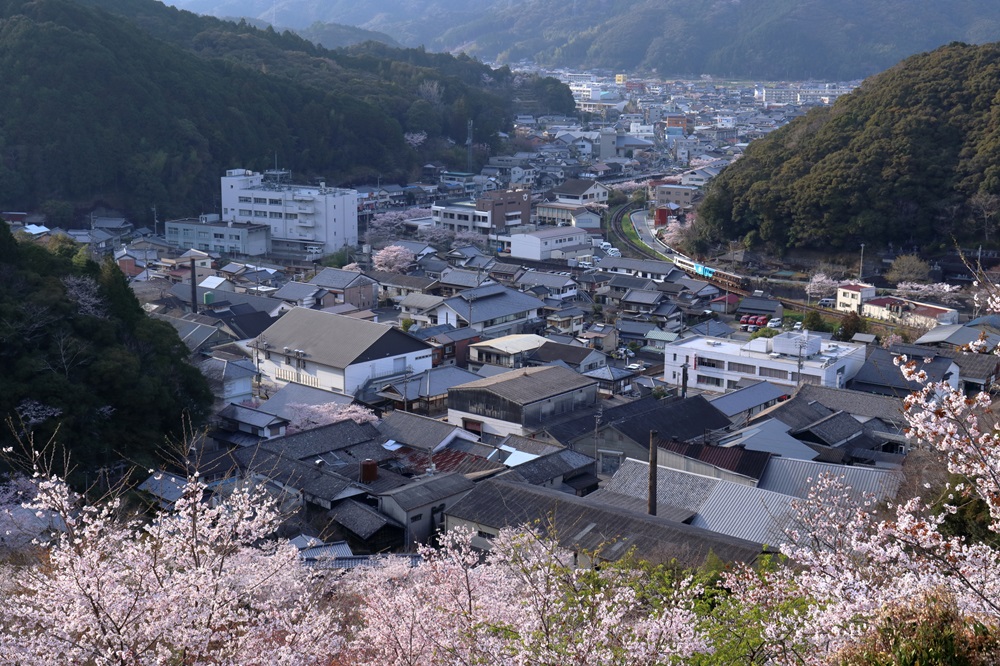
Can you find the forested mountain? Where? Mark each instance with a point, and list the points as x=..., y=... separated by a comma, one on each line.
x=912, y=155
x=79, y=358
x=763, y=39
x=136, y=104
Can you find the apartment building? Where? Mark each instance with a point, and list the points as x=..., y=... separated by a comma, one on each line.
x=306, y=221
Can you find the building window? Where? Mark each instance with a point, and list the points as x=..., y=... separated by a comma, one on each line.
x=245, y=200
x=776, y=373
x=274, y=216
x=246, y=212
x=259, y=200
x=274, y=202
x=708, y=381
x=414, y=518
x=745, y=368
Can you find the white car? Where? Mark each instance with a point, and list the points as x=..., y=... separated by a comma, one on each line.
x=638, y=367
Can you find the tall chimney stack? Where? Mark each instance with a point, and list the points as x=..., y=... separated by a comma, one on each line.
x=651, y=503
x=194, y=288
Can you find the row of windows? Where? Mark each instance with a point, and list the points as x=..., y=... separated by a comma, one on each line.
x=273, y=215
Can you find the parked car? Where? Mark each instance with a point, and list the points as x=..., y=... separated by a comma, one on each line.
x=775, y=323
x=745, y=321
x=797, y=326
x=825, y=303
x=761, y=321
x=637, y=367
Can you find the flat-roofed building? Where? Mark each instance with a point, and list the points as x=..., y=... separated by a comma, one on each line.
x=306, y=221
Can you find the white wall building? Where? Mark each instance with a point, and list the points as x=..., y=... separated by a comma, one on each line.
x=306, y=221
x=210, y=234
x=554, y=243
x=788, y=359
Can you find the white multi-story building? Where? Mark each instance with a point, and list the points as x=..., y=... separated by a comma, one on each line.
x=306, y=221
x=210, y=234
x=788, y=359
x=550, y=243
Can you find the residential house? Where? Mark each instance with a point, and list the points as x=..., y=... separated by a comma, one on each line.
x=337, y=353
x=509, y=351
x=880, y=373
x=419, y=506
x=581, y=192
x=303, y=295
x=521, y=401
x=578, y=358
x=906, y=312
x=425, y=392
x=743, y=403
x=420, y=308
x=394, y=287
x=555, y=286
x=351, y=287
x=851, y=296
x=565, y=321
x=565, y=470
x=451, y=345
x=455, y=280
x=493, y=310
x=647, y=269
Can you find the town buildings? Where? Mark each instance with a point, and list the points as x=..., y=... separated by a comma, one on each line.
x=306, y=221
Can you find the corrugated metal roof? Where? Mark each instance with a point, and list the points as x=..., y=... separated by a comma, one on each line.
x=749, y=397
x=795, y=477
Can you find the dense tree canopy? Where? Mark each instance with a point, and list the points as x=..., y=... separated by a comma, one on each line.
x=899, y=160
x=78, y=354
x=155, y=104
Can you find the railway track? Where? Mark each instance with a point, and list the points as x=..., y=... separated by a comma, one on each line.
x=622, y=241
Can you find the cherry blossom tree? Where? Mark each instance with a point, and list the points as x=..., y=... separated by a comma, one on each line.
x=306, y=417
x=392, y=259
x=198, y=584
x=855, y=564
x=820, y=285
x=935, y=292
x=436, y=236
x=390, y=225
x=522, y=602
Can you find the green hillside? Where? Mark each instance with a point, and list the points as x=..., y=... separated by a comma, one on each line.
x=149, y=105
x=763, y=39
x=81, y=360
x=910, y=156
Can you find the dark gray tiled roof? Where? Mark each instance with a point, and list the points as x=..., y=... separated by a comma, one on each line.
x=336, y=340
x=491, y=302
x=419, y=432
x=338, y=279
x=832, y=430
x=547, y=467
x=684, y=420
x=584, y=524
x=527, y=385
x=296, y=291
x=555, y=351
x=428, y=490
x=359, y=518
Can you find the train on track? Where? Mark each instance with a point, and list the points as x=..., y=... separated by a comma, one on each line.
x=716, y=276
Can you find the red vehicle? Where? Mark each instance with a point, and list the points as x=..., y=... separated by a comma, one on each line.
x=745, y=321
x=761, y=321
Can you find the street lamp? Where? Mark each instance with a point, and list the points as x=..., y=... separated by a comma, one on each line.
x=861, y=268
